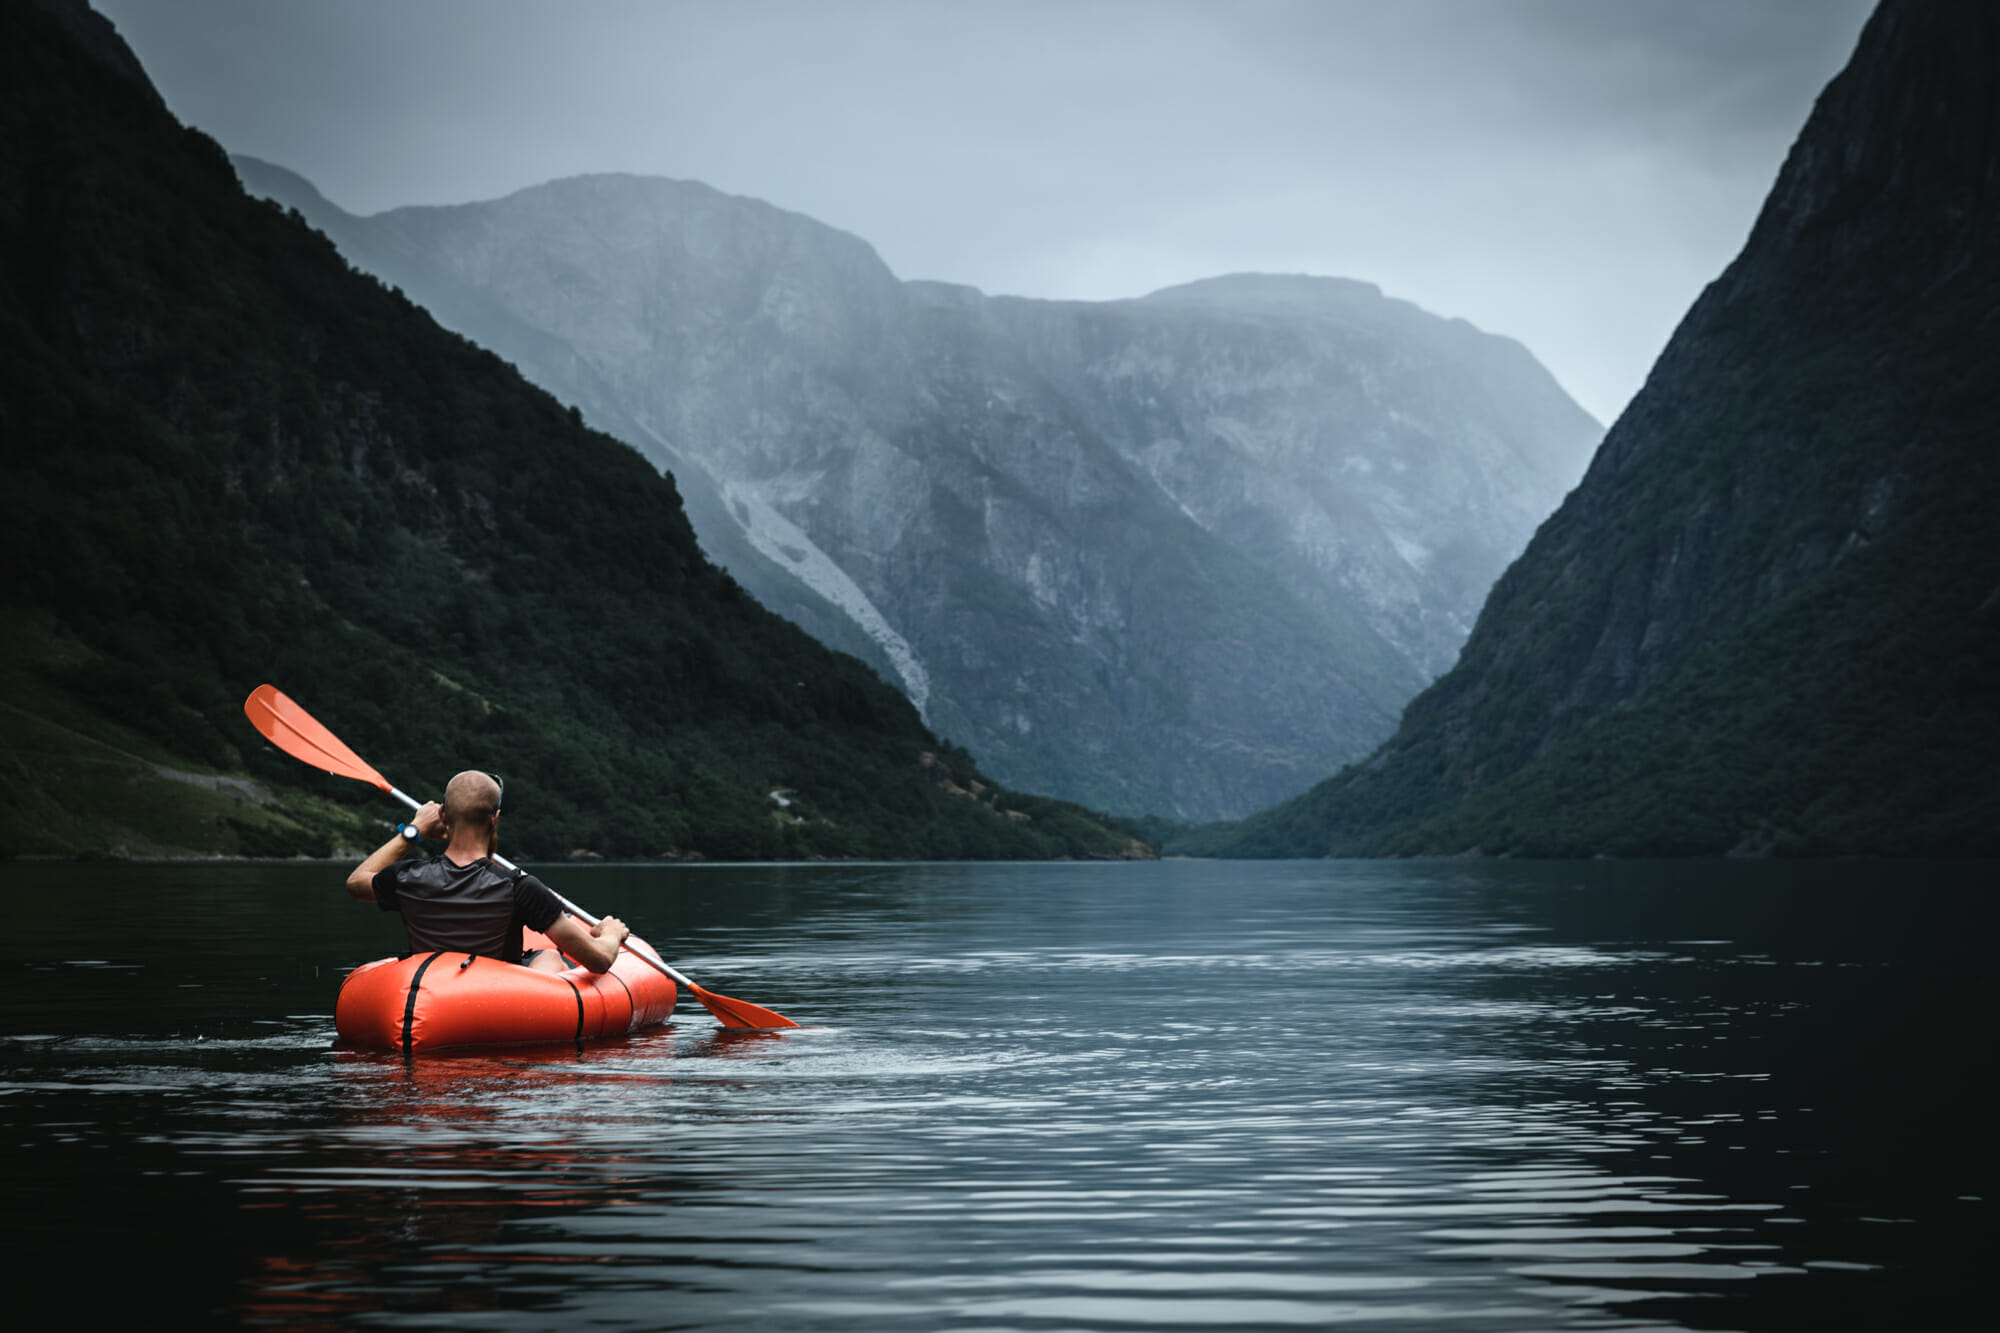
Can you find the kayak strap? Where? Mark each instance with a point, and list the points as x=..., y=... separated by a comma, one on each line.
x=410, y=1005
x=579, y=1010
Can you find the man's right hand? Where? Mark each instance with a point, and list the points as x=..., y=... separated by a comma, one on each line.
x=429, y=821
x=596, y=947
x=611, y=930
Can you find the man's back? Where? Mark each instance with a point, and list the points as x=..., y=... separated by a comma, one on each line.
x=470, y=909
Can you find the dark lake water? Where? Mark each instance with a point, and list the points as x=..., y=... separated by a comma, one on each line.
x=1173, y=1096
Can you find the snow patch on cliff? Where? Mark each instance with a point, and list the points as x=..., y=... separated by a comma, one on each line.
x=779, y=539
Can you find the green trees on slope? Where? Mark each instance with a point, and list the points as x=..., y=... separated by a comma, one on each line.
x=231, y=459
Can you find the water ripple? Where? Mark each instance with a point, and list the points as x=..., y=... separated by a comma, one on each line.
x=1054, y=1098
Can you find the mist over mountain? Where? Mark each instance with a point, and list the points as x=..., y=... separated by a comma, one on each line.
x=1768, y=620
x=232, y=459
x=1181, y=554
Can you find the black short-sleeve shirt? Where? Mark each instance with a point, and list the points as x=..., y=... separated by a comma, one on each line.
x=477, y=908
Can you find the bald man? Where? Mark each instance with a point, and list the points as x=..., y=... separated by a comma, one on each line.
x=460, y=902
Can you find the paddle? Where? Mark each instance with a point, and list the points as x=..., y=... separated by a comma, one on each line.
x=300, y=735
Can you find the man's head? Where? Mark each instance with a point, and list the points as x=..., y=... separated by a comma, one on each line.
x=471, y=801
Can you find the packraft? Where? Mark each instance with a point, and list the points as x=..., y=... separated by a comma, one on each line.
x=431, y=1001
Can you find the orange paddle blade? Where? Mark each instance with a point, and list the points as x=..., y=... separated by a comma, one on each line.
x=730, y=1013
x=739, y=1013
x=296, y=732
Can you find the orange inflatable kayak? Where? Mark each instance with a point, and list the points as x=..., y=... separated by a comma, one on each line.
x=430, y=1001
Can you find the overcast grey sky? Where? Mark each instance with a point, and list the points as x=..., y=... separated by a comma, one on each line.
x=1567, y=172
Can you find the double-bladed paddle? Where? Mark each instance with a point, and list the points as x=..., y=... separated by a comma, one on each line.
x=302, y=736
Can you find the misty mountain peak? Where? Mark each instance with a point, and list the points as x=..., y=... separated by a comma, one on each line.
x=268, y=180
x=676, y=221
x=1284, y=293
x=1174, y=554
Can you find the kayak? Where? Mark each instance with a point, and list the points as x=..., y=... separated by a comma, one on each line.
x=431, y=1001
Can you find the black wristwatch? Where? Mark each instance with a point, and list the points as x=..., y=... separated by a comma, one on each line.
x=409, y=832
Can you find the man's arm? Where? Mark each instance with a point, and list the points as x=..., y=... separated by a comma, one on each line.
x=596, y=947
x=361, y=882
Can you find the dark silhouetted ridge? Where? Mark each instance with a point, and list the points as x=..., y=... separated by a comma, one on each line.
x=1768, y=620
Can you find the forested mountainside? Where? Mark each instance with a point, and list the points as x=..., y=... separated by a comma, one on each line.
x=232, y=459
x=1183, y=554
x=1768, y=620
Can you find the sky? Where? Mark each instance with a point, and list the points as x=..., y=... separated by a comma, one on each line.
x=1569, y=173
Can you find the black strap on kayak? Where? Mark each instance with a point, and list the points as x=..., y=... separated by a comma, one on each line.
x=631, y=1001
x=410, y=1005
x=579, y=1010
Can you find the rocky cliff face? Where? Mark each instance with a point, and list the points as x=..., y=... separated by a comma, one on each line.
x=1176, y=555
x=1766, y=618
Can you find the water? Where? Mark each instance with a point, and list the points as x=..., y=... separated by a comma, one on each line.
x=1176, y=1096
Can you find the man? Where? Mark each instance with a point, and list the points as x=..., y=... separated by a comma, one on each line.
x=460, y=902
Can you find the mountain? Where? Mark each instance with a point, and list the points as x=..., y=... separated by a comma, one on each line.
x=1180, y=554
x=1768, y=619
x=231, y=459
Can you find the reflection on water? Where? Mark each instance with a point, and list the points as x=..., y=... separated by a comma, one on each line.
x=1507, y=1097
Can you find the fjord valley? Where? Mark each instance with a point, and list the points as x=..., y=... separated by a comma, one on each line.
x=760, y=556
x=230, y=459
x=1180, y=555
x=1768, y=619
